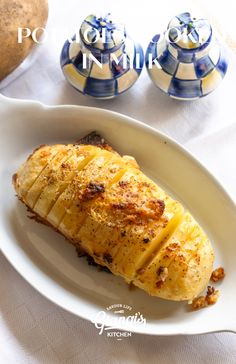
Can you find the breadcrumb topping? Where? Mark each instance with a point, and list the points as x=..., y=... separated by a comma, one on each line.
x=199, y=302
x=210, y=298
x=217, y=274
x=162, y=274
x=212, y=295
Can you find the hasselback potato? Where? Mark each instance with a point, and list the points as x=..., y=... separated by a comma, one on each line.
x=104, y=204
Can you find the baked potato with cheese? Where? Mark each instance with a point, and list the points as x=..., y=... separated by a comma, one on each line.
x=104, y=204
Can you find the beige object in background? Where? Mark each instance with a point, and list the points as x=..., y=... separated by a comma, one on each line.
x=14, y=14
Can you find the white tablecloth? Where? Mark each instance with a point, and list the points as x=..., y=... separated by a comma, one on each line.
x=32, y=329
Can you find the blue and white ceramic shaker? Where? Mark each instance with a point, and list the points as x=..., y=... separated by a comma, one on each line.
x=104, y=62
x=187, y=61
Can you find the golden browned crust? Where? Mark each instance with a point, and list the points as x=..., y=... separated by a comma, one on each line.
x=91, y=191
x=130, y=209
x=35, y=150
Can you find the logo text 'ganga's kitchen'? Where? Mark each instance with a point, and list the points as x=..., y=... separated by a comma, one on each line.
x=118, y=317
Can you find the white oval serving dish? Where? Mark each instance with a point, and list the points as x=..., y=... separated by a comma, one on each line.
x=51, y=265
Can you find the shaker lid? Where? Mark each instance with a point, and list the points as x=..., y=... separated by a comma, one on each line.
x=102, y=33
x=188, y=32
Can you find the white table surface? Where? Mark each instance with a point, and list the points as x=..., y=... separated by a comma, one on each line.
x=32, y=329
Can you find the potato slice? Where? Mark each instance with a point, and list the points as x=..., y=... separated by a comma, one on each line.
x=187, y=257
x=33, y=166
x=78, y=210
x=140, y=241
x=106, y=176
x=142, y=251
x=60, y=179
x=64, y=201
x=64, y=152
